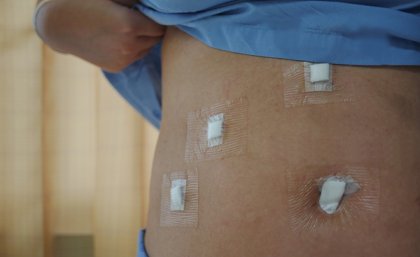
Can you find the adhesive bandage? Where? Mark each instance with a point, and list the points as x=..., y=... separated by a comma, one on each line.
x=179, y=199
x=332, y=197
x=314, y=83
x=217, y=131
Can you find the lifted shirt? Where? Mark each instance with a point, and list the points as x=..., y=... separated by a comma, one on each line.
x=348, y=32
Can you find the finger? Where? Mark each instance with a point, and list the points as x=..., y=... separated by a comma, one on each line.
x=147, y=42
x=127, y=3
x=135, y=57
x=145, y=26
x=138, y=44
x=141, y=54
x=144, y=50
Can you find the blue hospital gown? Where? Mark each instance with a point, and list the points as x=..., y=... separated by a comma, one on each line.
x=352, y=32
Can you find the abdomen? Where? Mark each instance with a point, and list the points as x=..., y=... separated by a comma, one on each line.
x=258, y=194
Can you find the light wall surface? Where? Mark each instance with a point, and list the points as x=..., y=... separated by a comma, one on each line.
x=75, y=158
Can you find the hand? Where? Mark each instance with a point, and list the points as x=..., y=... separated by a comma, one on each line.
x=103, y=32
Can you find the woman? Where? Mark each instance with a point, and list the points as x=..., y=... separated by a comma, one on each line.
x=289, y=128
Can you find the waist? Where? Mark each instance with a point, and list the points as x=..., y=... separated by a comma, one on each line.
x=259, y=196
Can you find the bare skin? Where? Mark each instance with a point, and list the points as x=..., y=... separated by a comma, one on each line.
x=244, y=200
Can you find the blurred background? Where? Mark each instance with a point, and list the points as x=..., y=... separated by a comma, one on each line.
x=75, y=158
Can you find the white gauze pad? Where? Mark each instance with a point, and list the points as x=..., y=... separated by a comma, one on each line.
x=332, y=192
x=215, y=130
x=178, y=194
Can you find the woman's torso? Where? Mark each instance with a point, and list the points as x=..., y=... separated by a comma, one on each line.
x=253, y=202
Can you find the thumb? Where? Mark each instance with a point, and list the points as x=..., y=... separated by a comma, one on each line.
x=146, y=26
x=127, y=3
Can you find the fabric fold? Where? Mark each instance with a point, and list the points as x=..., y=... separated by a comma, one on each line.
x=347, y=32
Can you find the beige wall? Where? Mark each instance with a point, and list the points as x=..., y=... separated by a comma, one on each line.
x=75, y=158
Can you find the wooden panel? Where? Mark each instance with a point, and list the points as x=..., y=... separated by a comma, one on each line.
x=118, y=190
x=21, y=227
x=67, y=136
x=70, y=140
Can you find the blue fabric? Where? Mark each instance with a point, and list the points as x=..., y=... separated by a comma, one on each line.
x=352, y=32
x=339, y=32
x=141, y=251
x=140, y=85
